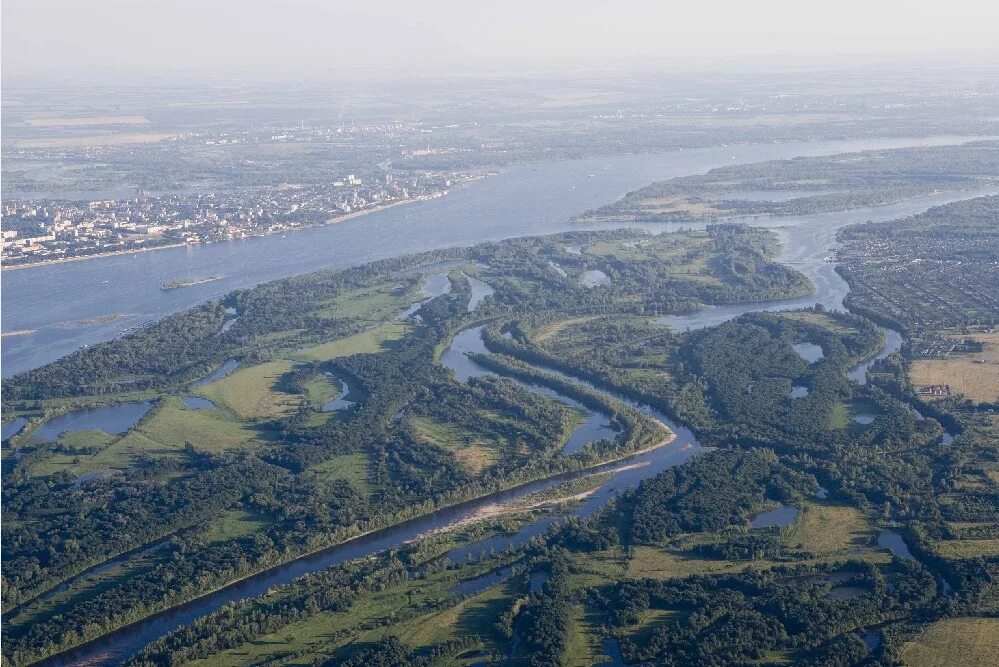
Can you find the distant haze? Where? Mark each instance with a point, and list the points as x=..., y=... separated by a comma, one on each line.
x=77, y=36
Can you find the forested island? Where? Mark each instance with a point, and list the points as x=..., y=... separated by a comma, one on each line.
x=807, y=185
x=781, y=512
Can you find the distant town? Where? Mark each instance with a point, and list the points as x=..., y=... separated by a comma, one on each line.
x=49, y=230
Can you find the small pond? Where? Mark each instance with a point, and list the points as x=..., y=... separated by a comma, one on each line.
x=196, y=403
x=12, y=428
x=480, y=290
x=108, y=418
x=482, y=582
x=594, y=278
x=864, y=418
x=613, y=651
x=893, y=542
x=810, y=352
x=782, y=517
x=538, y=579
x=799, y=392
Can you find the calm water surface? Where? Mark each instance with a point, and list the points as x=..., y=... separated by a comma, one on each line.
x=108, y=418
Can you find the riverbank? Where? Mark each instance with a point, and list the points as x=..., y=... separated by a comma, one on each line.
x=332, y=221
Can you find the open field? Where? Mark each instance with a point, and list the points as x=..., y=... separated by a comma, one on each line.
x=96, y=140
x=955, y=642
x=367, y=342
x=250, y=392
x=967, y=548
x=555, y=328
x=473, y=452
x=823, y=320
x=351, y=468
x=84, y=121
x=234, y=524
x=830, y=530
x=975, y=375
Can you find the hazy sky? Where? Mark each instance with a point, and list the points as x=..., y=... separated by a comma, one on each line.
x=63, y=36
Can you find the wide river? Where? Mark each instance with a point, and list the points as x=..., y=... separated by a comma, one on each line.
x=49, y=311
x=808, y=242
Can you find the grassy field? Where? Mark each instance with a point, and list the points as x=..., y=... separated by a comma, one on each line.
x=163, y=433
x=584, y=647
x=378, y=302
x=839, y=417
x=350, y=467
x=250, y=393
x=366, y=342
x=967, y=548
x=75, y=463
x=109, y=139
x=474, y=452
x=823, y=320
x=82, y=121
x=830, y=530
x=975, y=375
x=955, y=642
x=553, y=329
x=373, y=616
x=234, y=524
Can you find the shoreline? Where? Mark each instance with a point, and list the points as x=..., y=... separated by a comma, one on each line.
x=332, y=221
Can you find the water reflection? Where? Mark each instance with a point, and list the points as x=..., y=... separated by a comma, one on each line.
x=480, y=290
x=108, y=418
x=781, y=517
x=12, y=428
x=810, y=352
x=594, y=278
x=222, y=371
x=197, y=403
x=893, y=542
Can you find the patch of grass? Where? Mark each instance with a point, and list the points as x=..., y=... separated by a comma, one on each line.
x=829, y=530
x=553, y=329
x=173, y=425
x=659, y=563
x=955, y=642
x=823, y=320
x=367, y=342
x=597, y=568
x=648, y=621
x=839, y=416
x=968, y=548
x=377, y=302
x=234, y=524
x=77, y=464
x=319, y=390
x=583, y=647
x=473, y=452
x=250, y=393
x=352, y=468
